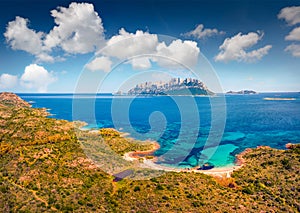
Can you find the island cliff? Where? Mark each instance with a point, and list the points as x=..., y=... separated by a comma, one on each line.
x=176, y=86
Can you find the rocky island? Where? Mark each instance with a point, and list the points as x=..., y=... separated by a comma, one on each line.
x=242, y=92
x=176, y=86
x=279, y=99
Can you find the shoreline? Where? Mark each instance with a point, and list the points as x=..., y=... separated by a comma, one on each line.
x=146, y=159
x=150, y=163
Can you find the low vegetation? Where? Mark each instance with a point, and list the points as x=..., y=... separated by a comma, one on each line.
x=44, y=168
x=122, y=145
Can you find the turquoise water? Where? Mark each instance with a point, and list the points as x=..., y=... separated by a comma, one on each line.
x=218, y=156
x=251, y=121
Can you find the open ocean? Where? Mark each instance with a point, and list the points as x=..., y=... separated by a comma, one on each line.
x=251, y=121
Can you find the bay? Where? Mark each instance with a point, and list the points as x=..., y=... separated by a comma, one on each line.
x=181, y=128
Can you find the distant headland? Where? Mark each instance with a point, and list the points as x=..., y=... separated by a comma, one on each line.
x=176, y=86
x=242, y=92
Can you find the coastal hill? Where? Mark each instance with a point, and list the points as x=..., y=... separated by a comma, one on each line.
x=242, y=92
x=176, y=86
x=8, y=98
x=44, y=169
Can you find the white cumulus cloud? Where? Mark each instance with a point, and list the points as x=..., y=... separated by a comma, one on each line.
x=37, y=77
x=79, y=29
x=290, y=14
x=8, y=81
x=182, y=52
x=200, y=33
x=125, y=44
x=294, y=35
x=100, y=63
x=294, y=49
x=234, y=48
x=20, y=37
x=141, y=63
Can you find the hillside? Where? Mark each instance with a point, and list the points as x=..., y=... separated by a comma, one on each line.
x=7, y=98
x=44, y=169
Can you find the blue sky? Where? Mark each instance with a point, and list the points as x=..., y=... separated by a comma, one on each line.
x=249, y=44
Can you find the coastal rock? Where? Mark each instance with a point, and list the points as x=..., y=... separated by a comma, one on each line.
x=239, y=160
x=206, y=166
x=263, y=147
x=290, y=146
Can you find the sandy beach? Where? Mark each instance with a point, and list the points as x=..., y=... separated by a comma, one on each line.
x=150, y=163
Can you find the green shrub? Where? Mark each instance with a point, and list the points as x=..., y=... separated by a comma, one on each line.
x=137, y=188
x=159, y=187
x=247, y=190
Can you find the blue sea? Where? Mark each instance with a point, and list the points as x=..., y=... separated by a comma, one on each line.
x=189, y=131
